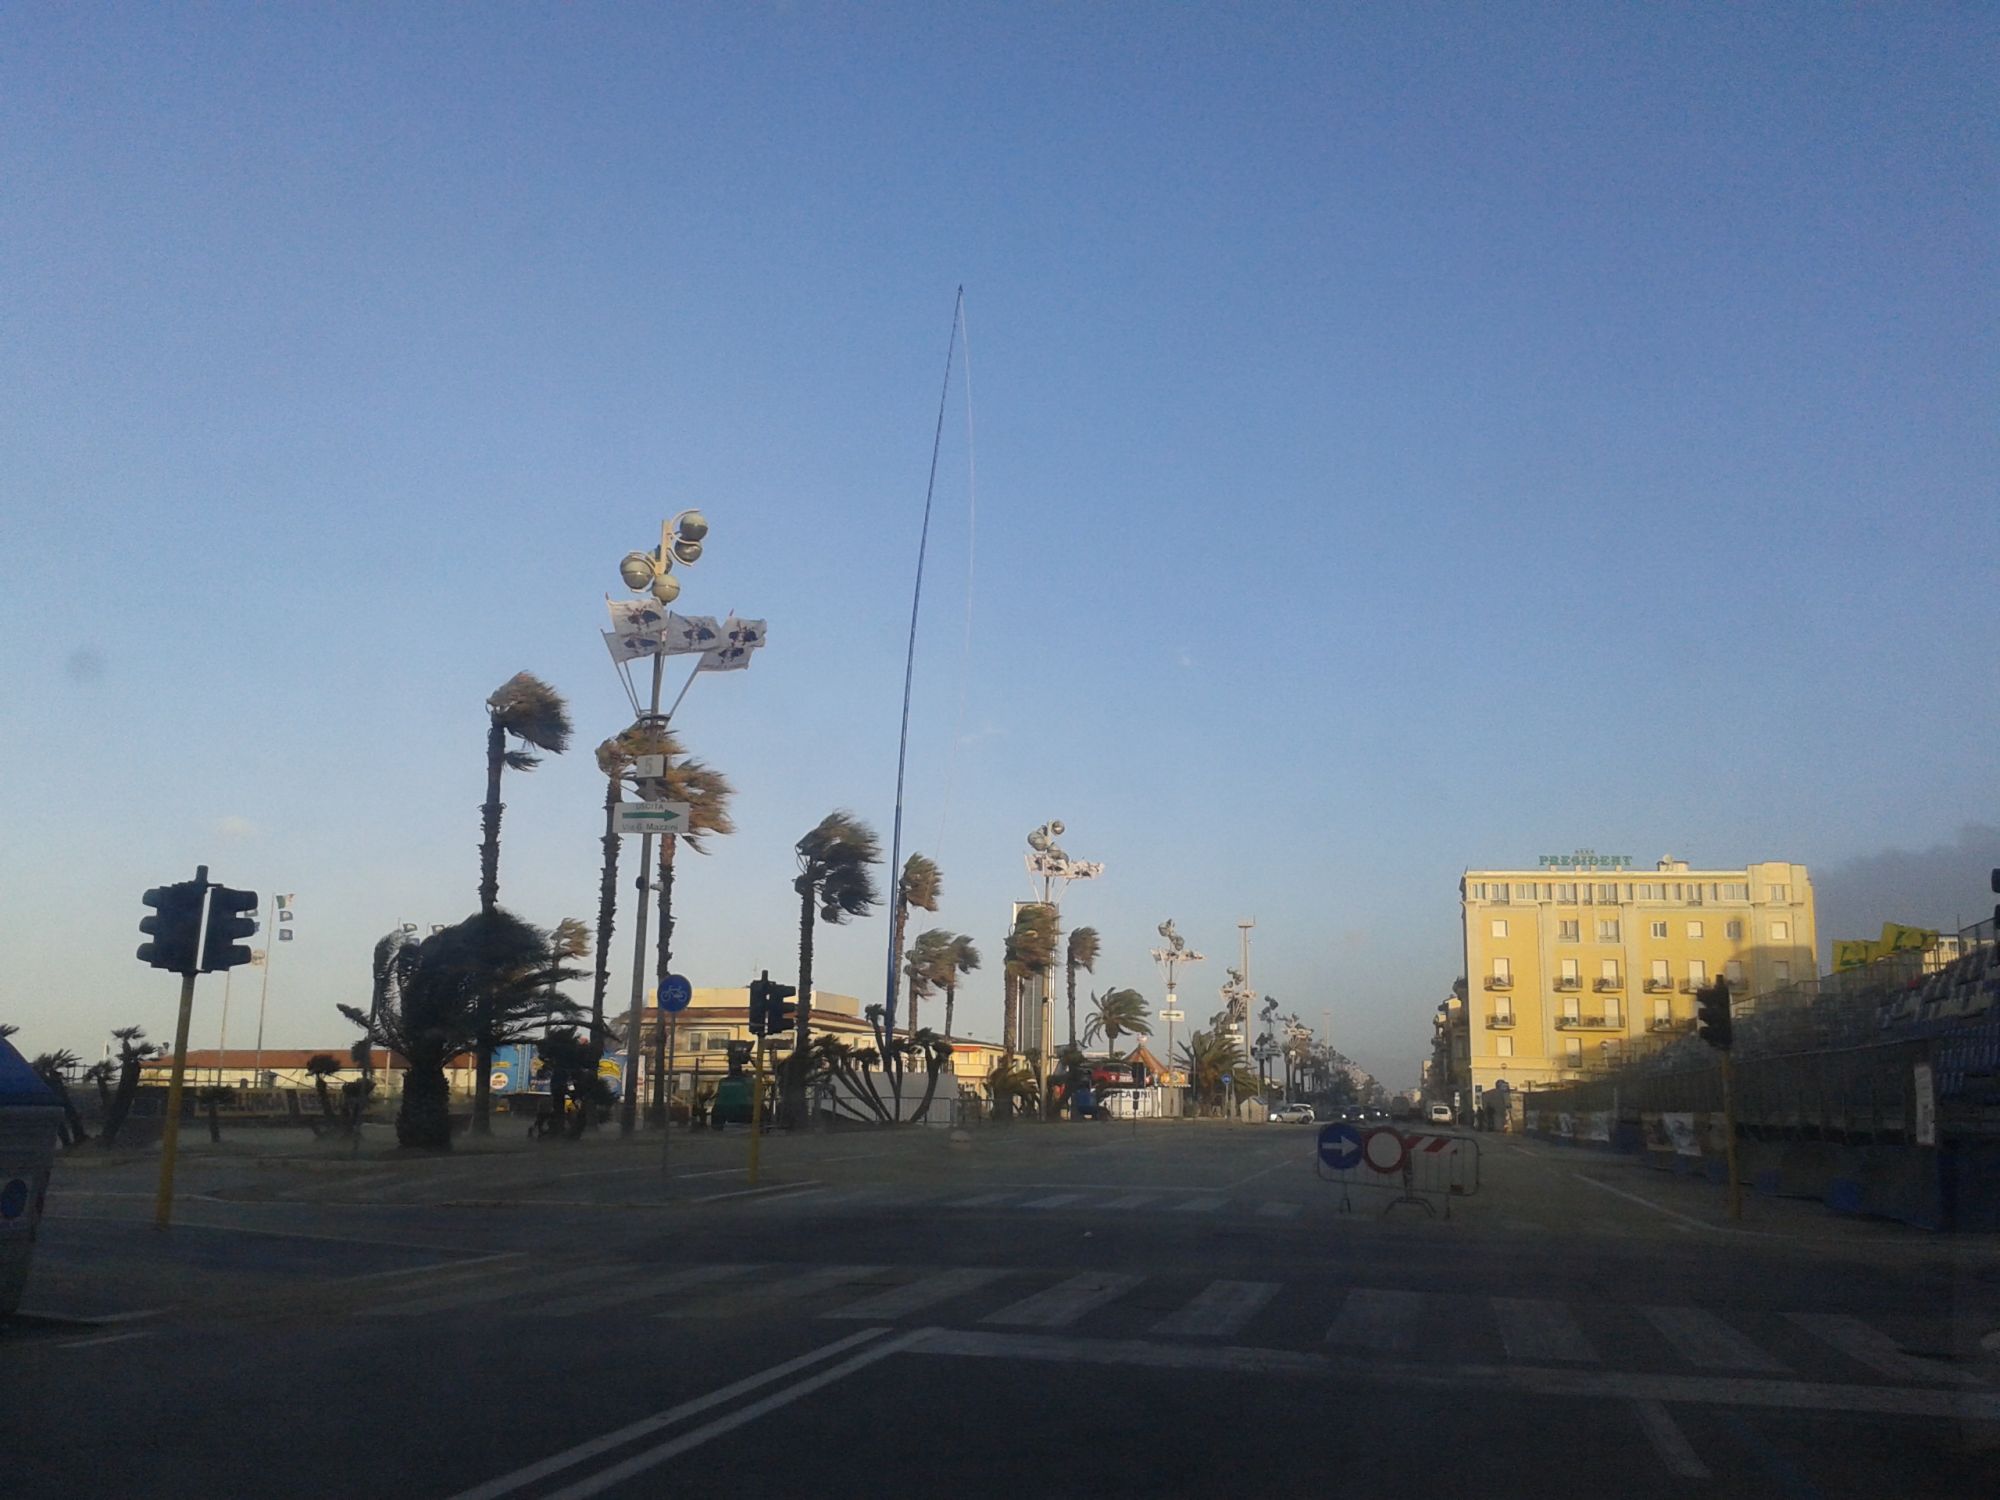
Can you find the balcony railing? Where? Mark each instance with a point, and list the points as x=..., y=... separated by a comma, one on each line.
x=1659, y=986
x=1499, y=981
x=1608, y=982
x=1499, y=1019
x=1690, y=985
x=1590, y=1023
x=1569, y=982
x=1670, y=1023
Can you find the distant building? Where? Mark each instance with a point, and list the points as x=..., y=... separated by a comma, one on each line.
x=1574, y=965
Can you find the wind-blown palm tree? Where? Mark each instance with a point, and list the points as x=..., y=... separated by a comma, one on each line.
x=920, y=884
x=706, y=791
x=1210, y=1057
x=920, y=966
x=51, y=1067
x=133, y=1050
x=472, y=986
x=322, y=1066
x=956, y=956
x=526, y=709
x=1082, y=954
x=1030, y=953
x=1116, y=1013
x=834, y=878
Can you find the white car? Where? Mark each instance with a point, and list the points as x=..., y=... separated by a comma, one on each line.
x=1292, y=1114
x=1441, y=1115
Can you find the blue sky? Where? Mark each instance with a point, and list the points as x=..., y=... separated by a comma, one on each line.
x=1406, y=438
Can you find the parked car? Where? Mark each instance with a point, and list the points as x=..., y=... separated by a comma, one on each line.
x=1441, y=1115
x=1292, y=1114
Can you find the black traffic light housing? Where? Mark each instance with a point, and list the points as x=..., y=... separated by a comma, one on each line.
x=738, y=1054
x=770, y=1015
x=1711, y=1006
x=174, y=927
x=227, y=926
x=1996, y=912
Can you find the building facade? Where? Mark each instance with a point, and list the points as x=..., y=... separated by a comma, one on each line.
x=1577, y=964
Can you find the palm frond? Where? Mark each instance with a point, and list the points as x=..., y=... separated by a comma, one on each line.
x=921, y=882
x=531, y=711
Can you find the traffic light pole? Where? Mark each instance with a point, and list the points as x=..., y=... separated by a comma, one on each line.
x=1729, y=1136
x=170, y=1135
x=756, y=1108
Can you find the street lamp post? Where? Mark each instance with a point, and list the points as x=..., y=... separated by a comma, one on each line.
x=651, y=573
x=1056, y=869
x=1170, y=958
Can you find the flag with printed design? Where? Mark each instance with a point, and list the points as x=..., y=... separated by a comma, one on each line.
x=685, y=635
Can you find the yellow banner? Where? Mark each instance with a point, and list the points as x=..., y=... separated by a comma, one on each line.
x=1896, y=938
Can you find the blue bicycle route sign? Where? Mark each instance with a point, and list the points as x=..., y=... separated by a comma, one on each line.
x=1340, y=1147
x=677, y=993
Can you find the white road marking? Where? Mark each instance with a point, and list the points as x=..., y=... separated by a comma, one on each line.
x=1875, y=1349
x=1131, y=1200
x=1276, y=1210
x=1220, y=1310
x=569, y=1458
x=1054, y=1200
x=638, y=1289
x=1199, y=1205
x=1669, y=1441
x=1704, y=1340
x=1692, y=1223
x=759, y=1192
x=984, y=1200
x=445, y=1268
x=490, y=1289
x=792, y=1288
x=1533, y=1328
x=1062, y=1304
x=1288, y=1161
x=108, y=1338
x=638, y=1463
x=1063, y=1350
x=901, y=1301
x=1383, y=1321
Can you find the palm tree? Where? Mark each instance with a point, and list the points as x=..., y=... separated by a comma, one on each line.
x=133, y=1050
x=833, y=877
x=1116, y=1013
x=920, y=884
x=941, y=957
x=920, y=966
x=483, y=982
x=51, y=1068
x=211, y=1099
x=322, y=1066
x=706, y=791
x=1030, y=951
x=1210, y=1057
x=527, y=709
x=1082, y=954
x=936, y=1053
x=1011, y=1080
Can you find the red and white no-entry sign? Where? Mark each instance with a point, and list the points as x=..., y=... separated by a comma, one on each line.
x=1383, y=1150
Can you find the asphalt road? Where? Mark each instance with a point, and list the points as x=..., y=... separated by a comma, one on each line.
x=1168, y=1309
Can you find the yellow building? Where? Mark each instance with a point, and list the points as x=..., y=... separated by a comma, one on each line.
x=1573, y=965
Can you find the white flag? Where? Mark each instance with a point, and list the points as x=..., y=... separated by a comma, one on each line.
x=636, y=616
x=630, y=647
x=724, y=659
x=748, y=634
x=685, y=634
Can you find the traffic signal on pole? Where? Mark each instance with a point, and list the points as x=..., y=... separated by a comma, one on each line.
x=227, y=926
x=779, y=1014
x=760, y=1004
x=174, y=926
x=1712, y=1013
x=1996, y=912
x=738, y=1055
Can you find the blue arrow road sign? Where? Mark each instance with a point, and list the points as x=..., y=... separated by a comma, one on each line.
x=1340, y=1147
x=676, y=994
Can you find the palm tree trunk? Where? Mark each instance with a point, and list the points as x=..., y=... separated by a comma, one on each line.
x=1070, y=976
x=950, y=1002
x=489, y=818
x=658, y=1113
x=1010, y=1014
x=482, y=1088
x=798, y=1063
x=424, y=1121
x=607, y=911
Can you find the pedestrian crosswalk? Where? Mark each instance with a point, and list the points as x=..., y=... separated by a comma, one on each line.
x=1353, y=1326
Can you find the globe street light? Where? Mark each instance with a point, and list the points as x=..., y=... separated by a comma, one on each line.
x=1170, y=958
x=651, y=572
x=1046, y=859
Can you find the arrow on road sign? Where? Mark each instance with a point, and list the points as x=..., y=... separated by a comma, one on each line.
x=653, y=817
x=1340, y=1147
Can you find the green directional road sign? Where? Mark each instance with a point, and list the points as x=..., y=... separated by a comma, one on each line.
x=652, y=817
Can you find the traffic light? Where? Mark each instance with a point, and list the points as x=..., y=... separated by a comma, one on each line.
x=760, y=1006
x=222, y=947
x=738, y=1054
x=1711, y=1006
x=769, y=1014
x=1996, y=912
x=174, y=927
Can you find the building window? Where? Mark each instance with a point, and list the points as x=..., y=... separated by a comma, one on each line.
x=1571, y=1007
x=1781, y=932
x=1569, y=968
x=1566, y=892
x=1503, y=1046
x=1695, y=929
x=1503, y=968
x=1477, y=890
x=1607, y=895
x=1573, y=1052
x=1607, y=931
x=1737, y=891
x=1569, y=932
x=1499, y=893
x=1503, y=1008
x=1781, y=972
x=1733, y=972
x=1733, y=931
x=1674, y=891
x=1499, y=927
x=1697, y=972
x=1694, y=895
x=1661, y=973
x=1608, y=970
x=1646, y=893
x=1659, y=929
x=1663, y=1008
x=1525, y=892
x=1780, y=893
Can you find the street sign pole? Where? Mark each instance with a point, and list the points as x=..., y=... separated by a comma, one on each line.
x=756, y=1108
x=628, y=1111
x=1729, y=1137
